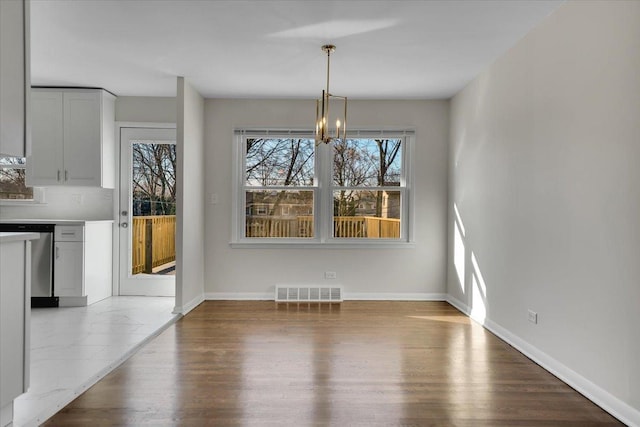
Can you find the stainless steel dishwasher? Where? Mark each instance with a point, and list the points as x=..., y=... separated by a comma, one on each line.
x=42, y=286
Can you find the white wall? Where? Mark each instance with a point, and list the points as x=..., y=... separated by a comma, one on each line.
x=155, y=109
x=544, y=172
x=87, y=203
x=417, y=272
x=190, y=198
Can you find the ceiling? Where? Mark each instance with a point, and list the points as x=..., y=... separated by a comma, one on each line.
x=271, y=49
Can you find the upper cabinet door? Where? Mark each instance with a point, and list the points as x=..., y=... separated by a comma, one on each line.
x=72, y=138
x=45, y=166
x=14, y=77
x=82, y=138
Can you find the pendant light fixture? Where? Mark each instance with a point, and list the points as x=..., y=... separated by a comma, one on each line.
x=330, y=127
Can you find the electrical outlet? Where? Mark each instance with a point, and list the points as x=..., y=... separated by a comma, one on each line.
x=533, y=316
x=330, y=275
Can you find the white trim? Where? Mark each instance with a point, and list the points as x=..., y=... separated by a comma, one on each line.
x=186, y=308
x=73, y=301
x=21, y=202
x=145, y=125
x=239, y=296
x=383, y=132
x=119, y=125
x=383, y=296
x=353, y=296
x=312, y=244
x=610, y=403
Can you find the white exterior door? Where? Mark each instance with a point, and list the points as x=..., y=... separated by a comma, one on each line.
x=147, y=214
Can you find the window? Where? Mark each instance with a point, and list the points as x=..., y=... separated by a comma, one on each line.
x=278, y=171
x=12, y=180
x=368, y=189
x=292, y=191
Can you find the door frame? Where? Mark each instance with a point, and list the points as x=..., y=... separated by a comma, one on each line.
x=116, y=193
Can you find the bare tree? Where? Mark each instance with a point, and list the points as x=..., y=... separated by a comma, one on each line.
x=365, y=164
x=154, y=176
x=388, y=171
x=13, y=179
x=279, y=162
x=351, y=168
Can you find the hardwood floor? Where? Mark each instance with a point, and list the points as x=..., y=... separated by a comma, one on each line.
x=355, y=364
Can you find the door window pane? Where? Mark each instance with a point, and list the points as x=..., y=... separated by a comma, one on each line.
x=153, y=224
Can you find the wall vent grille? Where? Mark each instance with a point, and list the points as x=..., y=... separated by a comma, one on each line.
x=309, y=293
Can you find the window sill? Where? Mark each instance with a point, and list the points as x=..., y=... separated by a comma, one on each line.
x=14, y=202
x=320, y=245
x=38, y=198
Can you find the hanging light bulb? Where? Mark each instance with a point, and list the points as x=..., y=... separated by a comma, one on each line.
x=323, y=133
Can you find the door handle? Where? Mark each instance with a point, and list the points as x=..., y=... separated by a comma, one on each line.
x=124, y=225
x=57, y=252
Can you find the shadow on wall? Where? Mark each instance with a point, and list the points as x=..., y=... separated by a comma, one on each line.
x=470, y=280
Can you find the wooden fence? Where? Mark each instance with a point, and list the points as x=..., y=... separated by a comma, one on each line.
x=154, y=242
x=367, y=227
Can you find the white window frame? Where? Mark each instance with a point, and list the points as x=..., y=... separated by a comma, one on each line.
x=323, y=194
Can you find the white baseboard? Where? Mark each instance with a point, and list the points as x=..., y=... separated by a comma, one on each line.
x=610, y=403
x=6, y=414
x=378, y=296
x=362, y=296
x=240, y=296
x=185, y=308
x=72, y=301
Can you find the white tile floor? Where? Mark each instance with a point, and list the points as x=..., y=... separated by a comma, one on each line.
x=73, y=347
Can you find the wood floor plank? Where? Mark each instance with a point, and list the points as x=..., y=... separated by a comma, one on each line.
x=358, y=363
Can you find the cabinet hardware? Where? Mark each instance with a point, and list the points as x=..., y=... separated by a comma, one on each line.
x=66, y=175
x=58, y=174
x=57, y=252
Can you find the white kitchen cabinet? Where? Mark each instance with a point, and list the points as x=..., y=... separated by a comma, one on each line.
x=69, y=269
x=83, y=263
x=14, y=77
x=72, y=141
x=15, y=301
x=46, y=164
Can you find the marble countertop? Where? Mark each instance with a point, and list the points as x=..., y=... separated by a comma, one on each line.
x=13, y=237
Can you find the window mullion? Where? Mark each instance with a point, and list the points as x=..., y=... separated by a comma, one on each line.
x=325, y=212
